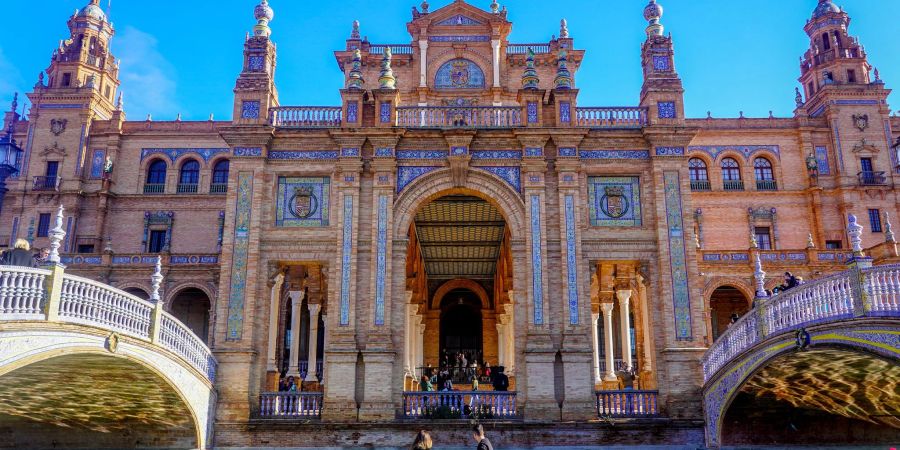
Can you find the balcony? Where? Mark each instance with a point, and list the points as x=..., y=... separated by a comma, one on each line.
x=733, y=185
x=306, y=116
x=46, y=184
x=872, y=178
x=154, y=188
x=627, y=404
x=288, y=405
x=187, y=188
x=522, y=49
x=701, y=185
x=766, y=185
x=449, y=405
x=396, y=49
x=459, y=117
x=615, y=117
x=218, y=188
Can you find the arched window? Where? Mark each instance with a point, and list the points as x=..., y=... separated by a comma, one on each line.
x=189, y=177
x=156, y=174
x=731, y=175
x=698, y=170
x=220, y=172
x=763, y=169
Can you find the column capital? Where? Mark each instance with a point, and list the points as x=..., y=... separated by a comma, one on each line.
x=314, y=308
x=624, y=295
x=607, y=308
x=296, y=296
x=595, y=317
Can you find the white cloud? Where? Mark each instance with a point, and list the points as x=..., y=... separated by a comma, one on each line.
x=148, y=78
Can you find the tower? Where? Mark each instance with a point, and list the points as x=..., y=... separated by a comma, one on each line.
x=255, y=92
x=662, y=92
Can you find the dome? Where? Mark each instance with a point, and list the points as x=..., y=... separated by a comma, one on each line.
x=653, y=11
x=825, y=7
x=263, y=11
x=92, y=11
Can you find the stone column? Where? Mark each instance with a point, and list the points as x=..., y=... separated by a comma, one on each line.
x=420, y=330
x=610, y=373
x=314, y=309
x=495, y=45
x=624, y=296
x=646, y=364
x=595, y=318
x=423, y=64
x=272, y=363
x=501, y=342
x=510, y=338
x=296, y=303
x=407, y=338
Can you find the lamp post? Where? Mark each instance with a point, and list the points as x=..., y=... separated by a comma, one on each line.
x=9, y=157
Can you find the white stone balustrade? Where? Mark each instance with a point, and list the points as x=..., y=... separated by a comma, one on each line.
x=496, y=405
x=287, y=405
x=829, y=299
x=22, y=293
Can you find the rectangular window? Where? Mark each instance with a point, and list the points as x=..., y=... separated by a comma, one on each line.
x=851, y=76
x=43, y=225
x=875, y=220
x=763, y=238
x=833, y=245
x=85, y=248
x=866, y=165
x=810, y=90
x=67, y=80
x=157, y=241
x=52, y=169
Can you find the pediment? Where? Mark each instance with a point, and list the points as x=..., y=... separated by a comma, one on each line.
x=865, y=148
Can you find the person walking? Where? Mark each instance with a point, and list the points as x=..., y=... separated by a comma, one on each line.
x=422, y=441
x=483, y=442
x=20, y=255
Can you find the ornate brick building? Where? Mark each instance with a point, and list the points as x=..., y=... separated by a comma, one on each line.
x=459, y=199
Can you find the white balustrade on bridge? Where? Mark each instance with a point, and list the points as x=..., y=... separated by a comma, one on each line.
x=21, y=293
x=27, y=294
x=290, y=405
x=865, y=292
x=460, y=404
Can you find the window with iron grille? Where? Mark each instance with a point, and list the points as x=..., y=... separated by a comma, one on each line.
x=875, y=220
x=698, y=171
x=731, y=170
x=762, y=167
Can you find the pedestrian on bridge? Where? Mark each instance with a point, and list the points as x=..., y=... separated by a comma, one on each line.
x=20, y=255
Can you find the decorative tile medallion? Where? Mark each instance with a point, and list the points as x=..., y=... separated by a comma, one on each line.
x=537, y=270
x=346, y=260
x=247, y=152
x=302, y=202
x=568, y=152
x=681, y=297
x=615, y=201
x=240, y=257
x=669, y=151
x=381, y=259
x=661, y=63
x=534, y=152
x=565, y=112
x=459, y=74
x=822, y=160
x=615, y=154
x=532, y=110
x=512, y=175
x=384, y=112
x=256, y=63
x=175, y=153
x=407, y=174
x=291, y=154
x=666, y=110
x=98, y=162
x=352, y=112
x=459, y=151
x=250, y=109
x=571, y=261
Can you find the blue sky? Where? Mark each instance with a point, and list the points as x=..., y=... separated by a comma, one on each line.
x=184, y=56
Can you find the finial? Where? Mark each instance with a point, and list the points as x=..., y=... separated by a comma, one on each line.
x=798, y=97
x=354, y=33
x=760, y=276
x=156, y=281
x=771, y=114
x=709, y=114
x=888, y=229
x=178, y=117
x=753, y=243
x=425, y=7
x=354, y=78
x=211, y=117
x=809, y=241
x=742, y=115
x=387, y=80
x=120, y=103
x=530, y=78
x=495, y=7
x=15, y=102
x=41, y=79
x=263, y=14
x=653, y=13
x=149, y=117
x=57, y=234
x=563, y=28
x=877, y=76
x=854, y=232
x=563, y=78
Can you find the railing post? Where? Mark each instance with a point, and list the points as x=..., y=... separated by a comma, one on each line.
x=54, y=282
x=858, y=262
x=156, y=315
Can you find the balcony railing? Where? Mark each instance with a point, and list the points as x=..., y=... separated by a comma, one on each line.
x=622, y=117
x=288, y=405
x=733, y=185
x=627, y=403
x=701, y=185
x=482, y=405
x=766, y=185
x=154, y=188
x=306, y=116
x=459, y=117
x=46, y=184
x=396, y=49
x=522, y=49
x=218, y=188
x=187, y=188
x=872, y=178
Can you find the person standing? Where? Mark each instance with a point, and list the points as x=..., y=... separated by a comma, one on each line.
x=422, y=441
x=483, y=442
x=20, y=255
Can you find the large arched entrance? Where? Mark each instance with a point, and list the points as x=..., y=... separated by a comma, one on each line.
x=191, y=306
x=461, y=327
x=726, y=304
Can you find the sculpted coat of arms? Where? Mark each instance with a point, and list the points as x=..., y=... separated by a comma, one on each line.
x=459, y=74
x=614, y=202
x=861, y=121
x=304, y=202
x=58, y=126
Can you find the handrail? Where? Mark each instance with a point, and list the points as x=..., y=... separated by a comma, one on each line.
x=306, y=116
x=831, y=298
x=627, y=403
x=396, y=49
x=612, y=117
x=21, y=292
x=460, y=404
x=522, y=49
x=459, y=116
x=287, y=405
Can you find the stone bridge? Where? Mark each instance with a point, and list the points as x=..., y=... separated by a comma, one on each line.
x=84, y=365
x=827, y=352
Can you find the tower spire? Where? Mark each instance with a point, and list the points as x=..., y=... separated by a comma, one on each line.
x=530, y=78
x=354, y=78
x=387, y=80
x=563, y=76
x=263, y=14
x=653, y=13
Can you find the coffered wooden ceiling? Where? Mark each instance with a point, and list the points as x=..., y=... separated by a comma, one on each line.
x=460, y=237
